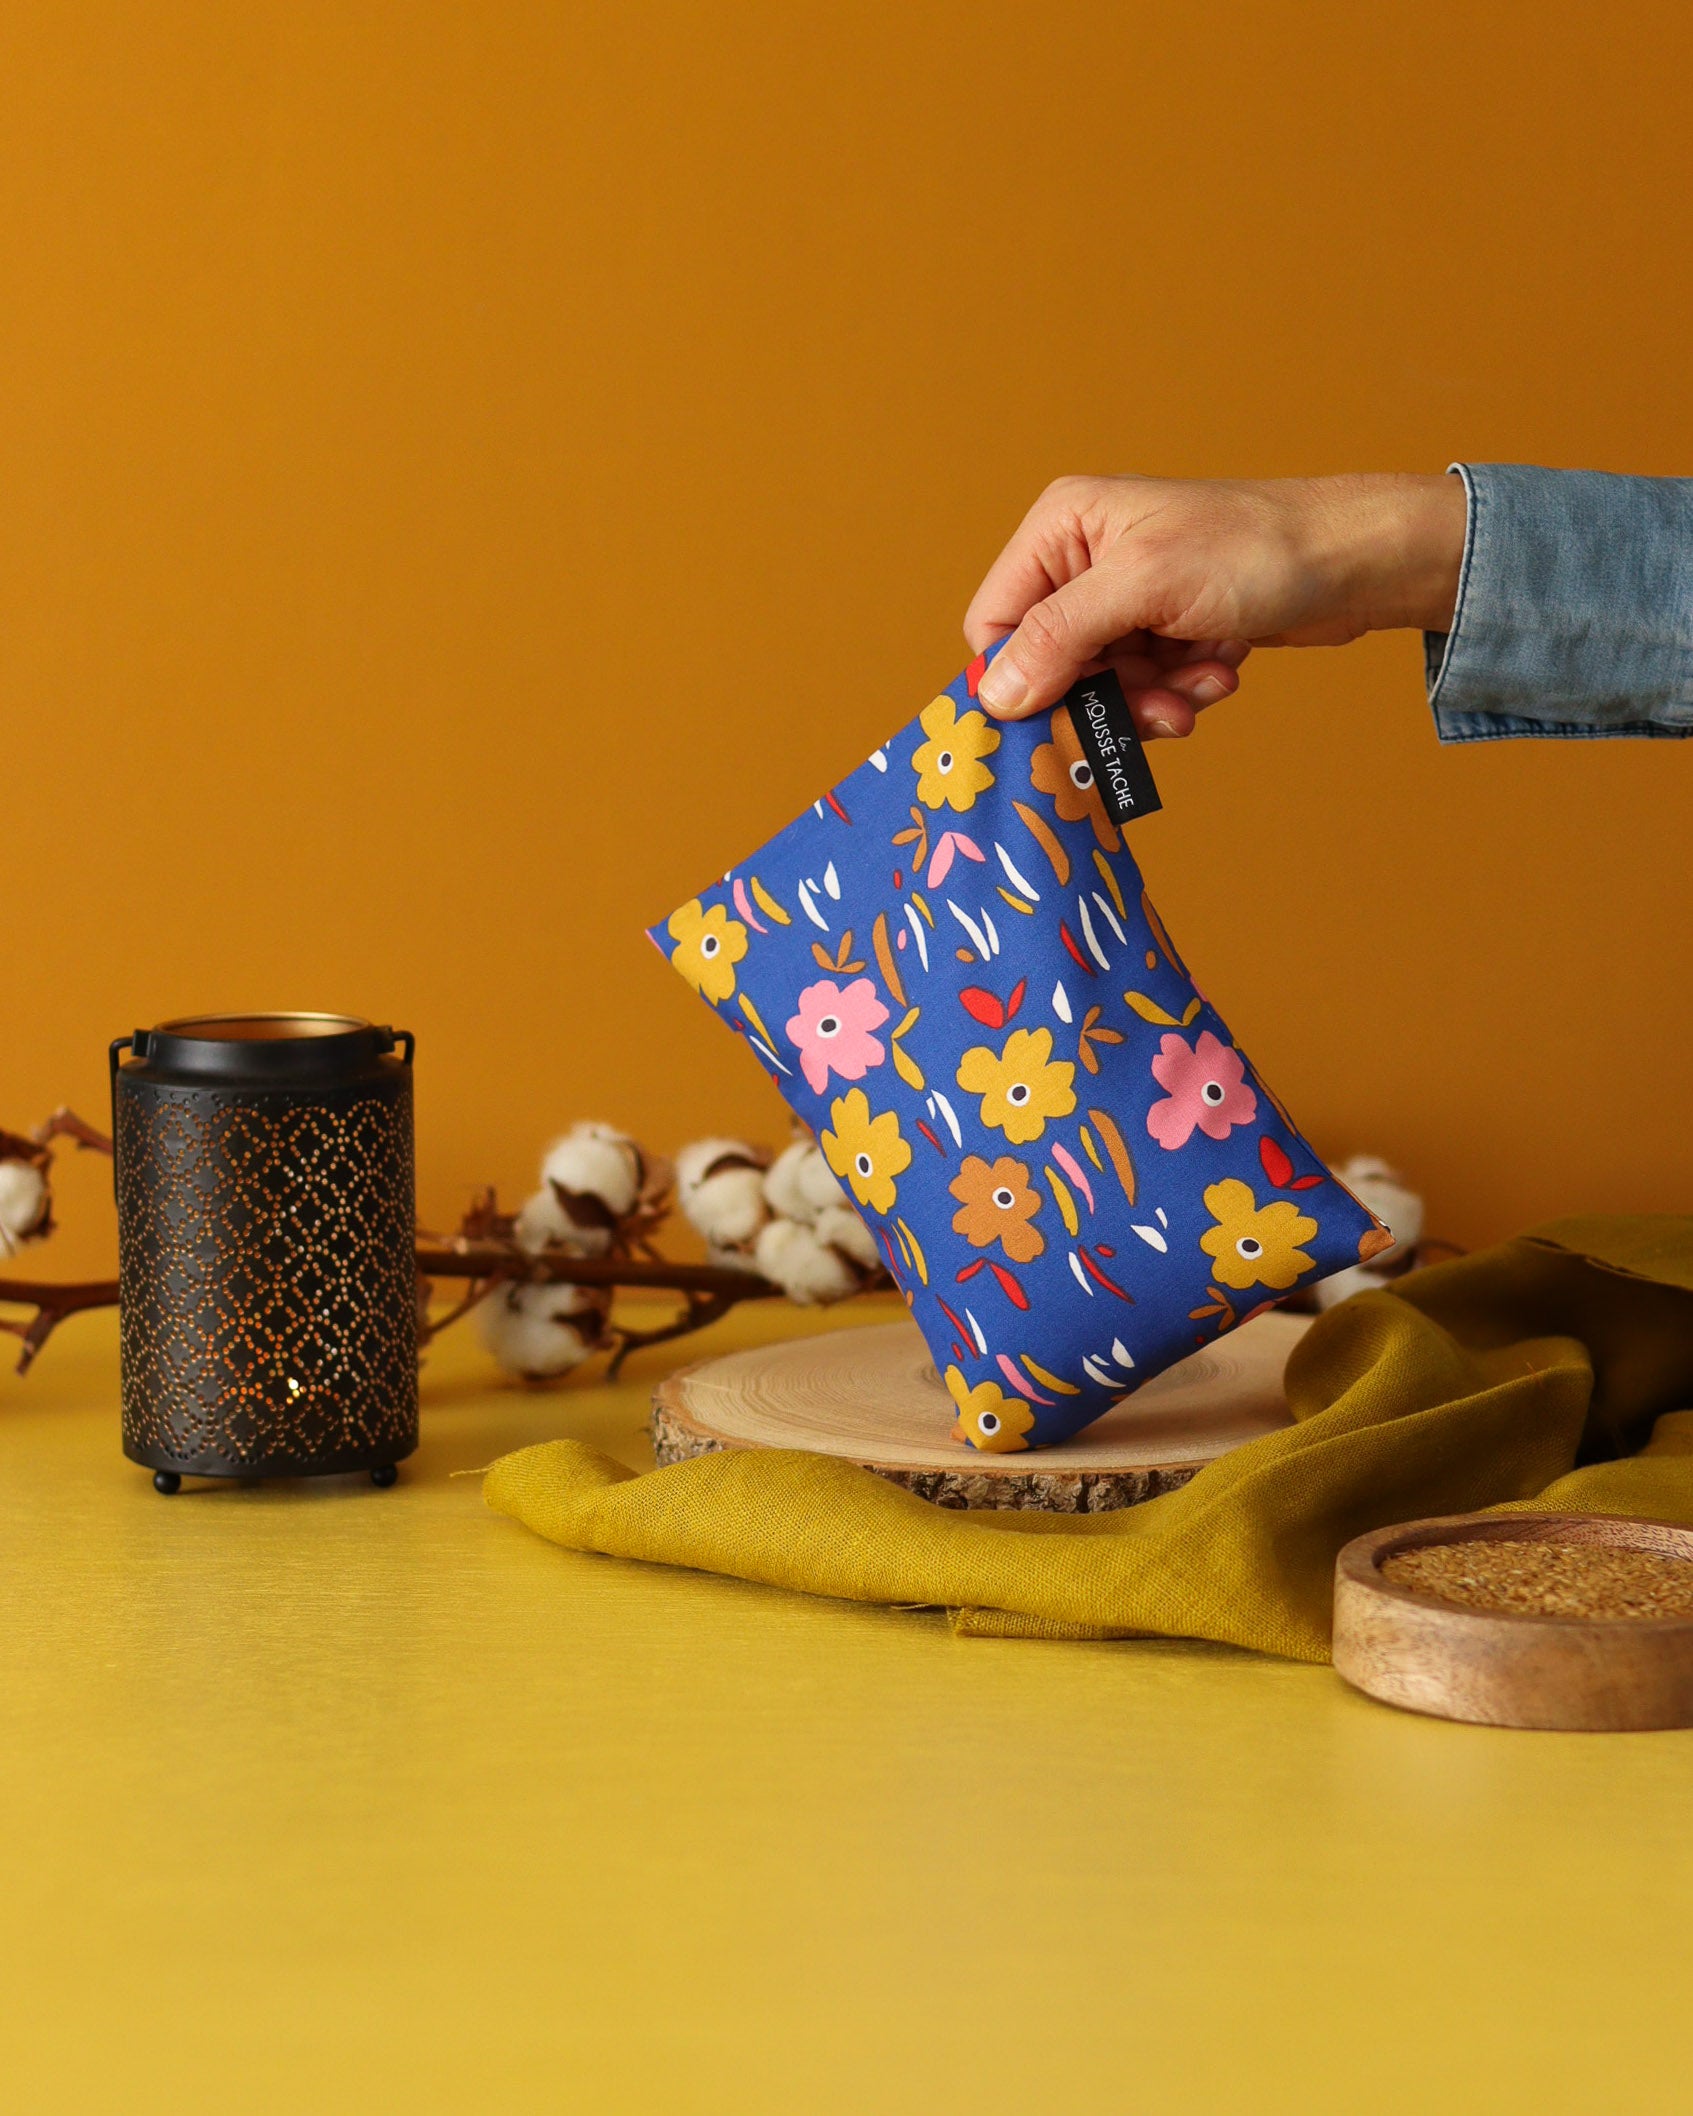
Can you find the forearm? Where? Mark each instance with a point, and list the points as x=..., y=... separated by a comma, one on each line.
x=1391, y=547
x=1574, y=612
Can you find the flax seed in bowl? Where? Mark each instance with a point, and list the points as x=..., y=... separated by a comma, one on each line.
x=1578, y=1621
x=1603, y=1581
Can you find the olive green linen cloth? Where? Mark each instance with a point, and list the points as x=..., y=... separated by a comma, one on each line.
x=1553, y=1372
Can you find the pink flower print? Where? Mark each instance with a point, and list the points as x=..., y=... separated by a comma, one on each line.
x=1205, y=1086
x=831, y=1031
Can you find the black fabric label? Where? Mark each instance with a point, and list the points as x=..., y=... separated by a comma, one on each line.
x=1100, y=715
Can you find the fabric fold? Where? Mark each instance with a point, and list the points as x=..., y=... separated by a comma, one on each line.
x=1555, y=1371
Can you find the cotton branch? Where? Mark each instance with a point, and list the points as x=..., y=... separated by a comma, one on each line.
x=66, y=1124
x=490, y=1260
x=590, y=1227
x=26, y=1215
x=51, y=1304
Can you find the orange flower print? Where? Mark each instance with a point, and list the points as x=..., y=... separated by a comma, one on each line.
x=987, y=1417
x=996, y=1203
x=1058, y=768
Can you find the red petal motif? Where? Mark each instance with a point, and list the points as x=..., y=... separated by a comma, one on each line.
x=1009, y=1286
x=1076, y=956
x=1277, y=1166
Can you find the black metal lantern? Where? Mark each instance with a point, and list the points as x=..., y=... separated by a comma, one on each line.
x=266, y=1259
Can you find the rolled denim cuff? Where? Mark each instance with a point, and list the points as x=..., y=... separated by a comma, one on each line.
x=1575, y=608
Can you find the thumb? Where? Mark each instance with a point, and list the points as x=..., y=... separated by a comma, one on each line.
x=1056, y=640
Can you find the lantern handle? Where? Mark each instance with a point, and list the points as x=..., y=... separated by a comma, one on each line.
x=406, y=1037
x=138, y=1044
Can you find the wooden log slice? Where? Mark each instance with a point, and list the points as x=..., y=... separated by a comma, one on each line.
x=1504, y=1667
x=872, y=1396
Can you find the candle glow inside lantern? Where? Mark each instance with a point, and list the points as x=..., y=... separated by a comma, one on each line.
x=266, y=1246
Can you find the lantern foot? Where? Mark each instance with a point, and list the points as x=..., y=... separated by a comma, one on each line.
x=166, y=1481
x=384, y=1474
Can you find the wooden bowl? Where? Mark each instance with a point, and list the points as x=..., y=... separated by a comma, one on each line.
x=1501, y=1668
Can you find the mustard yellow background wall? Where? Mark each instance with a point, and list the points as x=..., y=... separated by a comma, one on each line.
x=468, y=471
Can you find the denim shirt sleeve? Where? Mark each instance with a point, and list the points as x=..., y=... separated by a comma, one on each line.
x=1575, y=608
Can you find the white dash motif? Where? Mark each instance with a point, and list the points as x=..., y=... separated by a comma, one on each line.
x=1014, y=876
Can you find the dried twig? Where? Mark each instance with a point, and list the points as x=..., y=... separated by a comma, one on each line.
x=66, y=1124
x=496, y=1260
x=709, y=1291
x=484, y=1253
x=700, y=1310
x=430, y=1327
x=51, y=1304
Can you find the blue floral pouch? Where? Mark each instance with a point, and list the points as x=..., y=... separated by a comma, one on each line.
x=951, y=970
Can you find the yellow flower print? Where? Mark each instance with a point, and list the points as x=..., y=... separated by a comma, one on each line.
x=1253, y=1244
x=1020, y=1088
x=708, y=946
x=987, y=1417
x=866, y=1151
x=949, y=767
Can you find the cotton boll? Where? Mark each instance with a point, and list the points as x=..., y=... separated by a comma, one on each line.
x=595, y=1162
x=808, y=1271
x=542, y=1223
x=801, y=1183
x=542, y=1331
x=547, y=1221
x=701, y=1158
x=1330, y=1292
x=24, y=1204
x=729, y=1209
x=732, y=1259
x=781, y=1181
x=842, y=1229
x=1384, y=1191
x=720, y=1186
x=818, y=1184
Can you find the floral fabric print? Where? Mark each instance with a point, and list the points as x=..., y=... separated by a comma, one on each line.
x=708, y=946
x=1073, y=1173
x=1255, y=1245
x=1207, y=1090
x=831, y=1031
x=1021, y=1085
x=948, y=762
x=865, y=1151
x=1060, y=769
x=987, y=1417
x=996, y=1204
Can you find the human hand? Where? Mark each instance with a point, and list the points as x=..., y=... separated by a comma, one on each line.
x=1171, y=582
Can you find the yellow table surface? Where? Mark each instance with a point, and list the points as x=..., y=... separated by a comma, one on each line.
x=320, y=1798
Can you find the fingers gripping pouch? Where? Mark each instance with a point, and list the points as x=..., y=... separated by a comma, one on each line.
x=950, y=968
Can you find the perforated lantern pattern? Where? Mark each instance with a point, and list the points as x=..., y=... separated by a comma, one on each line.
x=267, y=1276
